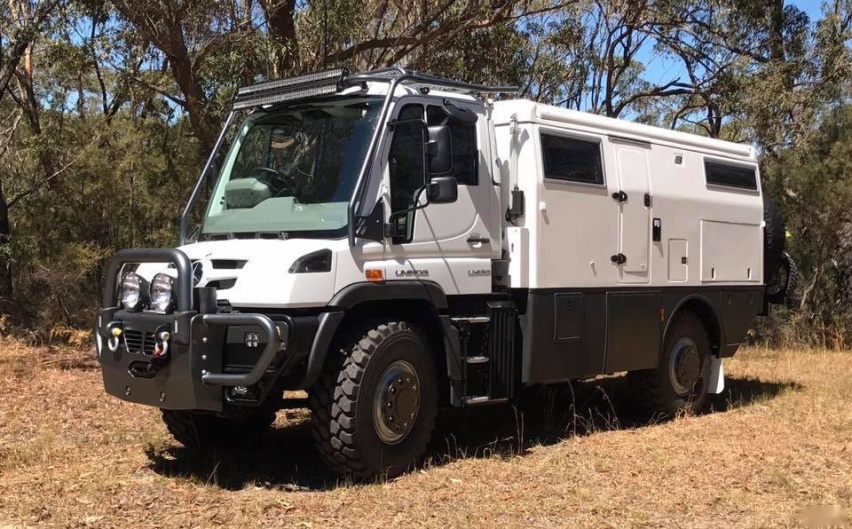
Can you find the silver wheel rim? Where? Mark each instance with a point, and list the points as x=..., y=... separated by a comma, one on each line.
x=396, y=402
x=684, y=366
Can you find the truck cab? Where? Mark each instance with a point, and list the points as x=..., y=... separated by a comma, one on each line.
x=393, y=243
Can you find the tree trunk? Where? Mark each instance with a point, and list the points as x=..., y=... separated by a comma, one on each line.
x=5, y=262
x=282, y=28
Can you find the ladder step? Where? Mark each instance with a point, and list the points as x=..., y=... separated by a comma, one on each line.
x=477, y=359
x=472, y=319
x=473, y=401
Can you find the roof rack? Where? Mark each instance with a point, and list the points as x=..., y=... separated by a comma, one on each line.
x=422, y=79
x=332, y=81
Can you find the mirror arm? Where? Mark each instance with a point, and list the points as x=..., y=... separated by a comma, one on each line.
x=412, y=208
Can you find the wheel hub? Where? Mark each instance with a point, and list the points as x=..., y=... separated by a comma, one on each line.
x=396, y=402
x=684, y=366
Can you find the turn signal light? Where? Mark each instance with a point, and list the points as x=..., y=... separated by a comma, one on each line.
x=374, y=274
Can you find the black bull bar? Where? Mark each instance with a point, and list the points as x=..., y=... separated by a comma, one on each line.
x=192, y=378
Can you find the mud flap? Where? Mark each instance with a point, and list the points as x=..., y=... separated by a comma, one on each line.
x=717, y=376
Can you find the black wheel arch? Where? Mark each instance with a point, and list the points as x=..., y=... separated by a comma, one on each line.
x=422, y=303
x=707, y=312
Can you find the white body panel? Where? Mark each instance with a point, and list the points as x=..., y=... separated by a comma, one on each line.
x=709, y=234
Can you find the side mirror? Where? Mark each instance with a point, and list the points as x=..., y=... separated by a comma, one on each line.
x=439, y=150
x=459, y=114
x=442, y=190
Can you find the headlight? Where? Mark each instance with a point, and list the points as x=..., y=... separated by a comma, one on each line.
x=162, y=293
x=133, y=292
x=319, y=261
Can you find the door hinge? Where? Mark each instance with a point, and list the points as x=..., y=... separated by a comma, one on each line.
x=620, y=196
x=619, y=258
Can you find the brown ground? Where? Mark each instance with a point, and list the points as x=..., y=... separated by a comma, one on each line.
x=776, y=452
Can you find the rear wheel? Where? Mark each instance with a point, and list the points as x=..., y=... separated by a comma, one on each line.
x=374, y=407
x=681, y=381
x=201, y=431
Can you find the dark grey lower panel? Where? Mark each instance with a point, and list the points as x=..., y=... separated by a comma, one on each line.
x=634, y=330
x=585, y=332
x=564, y=335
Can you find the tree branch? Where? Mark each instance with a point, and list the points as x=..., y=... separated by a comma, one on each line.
x=35, y=187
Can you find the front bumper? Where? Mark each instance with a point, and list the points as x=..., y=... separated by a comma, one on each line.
x=195, y=374
x=209, y=360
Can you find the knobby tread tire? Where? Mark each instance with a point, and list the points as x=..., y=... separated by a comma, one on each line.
x=651, y=388
x=785, y=294
x=344, y=442
x=773, y=237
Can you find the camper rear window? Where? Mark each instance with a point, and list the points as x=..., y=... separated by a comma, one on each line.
x=571, y=159
x=722, y=174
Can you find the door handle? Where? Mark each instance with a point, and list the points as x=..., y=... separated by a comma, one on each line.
x=478, y=240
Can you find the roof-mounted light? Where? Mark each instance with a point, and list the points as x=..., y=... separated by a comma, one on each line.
x=291, y=89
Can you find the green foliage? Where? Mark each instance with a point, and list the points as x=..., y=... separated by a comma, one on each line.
x=814, y=181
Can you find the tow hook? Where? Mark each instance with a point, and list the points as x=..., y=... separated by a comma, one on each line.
x=161, y=346
x=115, y=330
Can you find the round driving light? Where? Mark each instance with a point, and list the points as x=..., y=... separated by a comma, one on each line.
x=132, y=292
x=162, y=293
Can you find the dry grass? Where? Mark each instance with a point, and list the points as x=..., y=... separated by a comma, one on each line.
x=776, y=452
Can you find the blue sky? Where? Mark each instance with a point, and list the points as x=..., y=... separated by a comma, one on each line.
x=662, y=70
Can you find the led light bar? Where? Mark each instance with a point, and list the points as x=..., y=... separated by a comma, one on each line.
x=290, y=89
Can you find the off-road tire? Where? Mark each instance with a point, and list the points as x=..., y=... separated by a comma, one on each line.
x=652, y=389
x=342, y=405
x=774, y=236
x=203, y=431
x=782, y=284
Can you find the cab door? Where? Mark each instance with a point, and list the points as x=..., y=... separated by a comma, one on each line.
x=451, y=244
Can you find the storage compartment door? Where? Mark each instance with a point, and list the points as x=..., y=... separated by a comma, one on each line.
x=634, y=225
x=633, y=331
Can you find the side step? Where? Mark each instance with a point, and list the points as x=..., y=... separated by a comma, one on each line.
x=484, y=399
x=489, y=358
x=477, y=359
x=471, y=319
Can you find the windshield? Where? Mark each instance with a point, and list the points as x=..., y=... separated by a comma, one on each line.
x=293, y=170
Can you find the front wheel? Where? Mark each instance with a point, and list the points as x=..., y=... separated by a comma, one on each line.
x=374, y=407
x=680, y=382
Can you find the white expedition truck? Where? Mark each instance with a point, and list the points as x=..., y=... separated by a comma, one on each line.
x=394, y=242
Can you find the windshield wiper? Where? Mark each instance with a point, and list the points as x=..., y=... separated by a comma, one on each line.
x=283, y=235
x=225, y=236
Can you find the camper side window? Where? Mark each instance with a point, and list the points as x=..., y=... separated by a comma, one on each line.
x=722, y=174
x=572, y=159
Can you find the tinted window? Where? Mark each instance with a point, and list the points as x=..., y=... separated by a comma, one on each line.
x=572, y=159
x=405, y=164
x=722, y=174
x=464, y=145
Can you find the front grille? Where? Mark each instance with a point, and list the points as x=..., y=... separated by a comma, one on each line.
x=139, y=342
x=227, y=264
x=223, y=284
